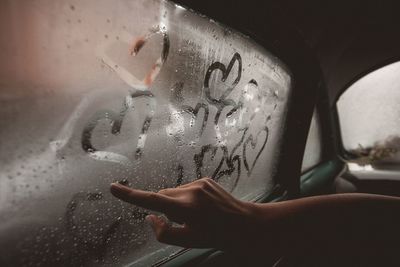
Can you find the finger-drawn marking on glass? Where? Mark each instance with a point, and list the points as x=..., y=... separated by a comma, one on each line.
x=116, y=123
x=135, y=46
x=177, y=99
x=231, y=157
x=140, y=89
x=222, y=102
x=72, y=132
x=253, y=142
x=249, y=139
x=227, y=158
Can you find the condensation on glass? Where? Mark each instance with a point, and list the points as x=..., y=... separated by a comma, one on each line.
x=369, y=117
x=141, y=92
x=313, y=150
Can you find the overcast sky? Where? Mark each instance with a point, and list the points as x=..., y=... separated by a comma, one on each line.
x=369, y=110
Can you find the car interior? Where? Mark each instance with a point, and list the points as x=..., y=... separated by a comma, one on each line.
x=97, y=92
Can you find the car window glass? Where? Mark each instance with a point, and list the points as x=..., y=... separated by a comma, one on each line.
x=141, y=92
x=313, y=150
x=369, y=117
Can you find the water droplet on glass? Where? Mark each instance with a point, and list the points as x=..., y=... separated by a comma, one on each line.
x=192, y=122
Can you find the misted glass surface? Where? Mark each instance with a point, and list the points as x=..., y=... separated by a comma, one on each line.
x=369, y=116
x=142, y=92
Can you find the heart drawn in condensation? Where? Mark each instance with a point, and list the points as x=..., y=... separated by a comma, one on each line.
x=222, y=101
x=198, y=115
x=139, y=89
x=248, y=107
x=129, y=47
x=253, y=141
x=220, y=155
x=194, y=113
x=116, y=120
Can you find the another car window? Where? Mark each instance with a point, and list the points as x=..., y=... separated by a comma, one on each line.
x=313, y=150
x=141, y=92
x=369, y=117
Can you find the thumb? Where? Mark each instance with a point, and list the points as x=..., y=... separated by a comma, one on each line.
x=167, y=233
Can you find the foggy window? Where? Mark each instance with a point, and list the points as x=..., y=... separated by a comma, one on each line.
x=369, y=117
x=141, y=92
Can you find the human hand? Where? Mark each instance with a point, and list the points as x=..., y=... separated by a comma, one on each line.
x=207, y=215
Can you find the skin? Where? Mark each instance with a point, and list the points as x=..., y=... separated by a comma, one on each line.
x=353, y=226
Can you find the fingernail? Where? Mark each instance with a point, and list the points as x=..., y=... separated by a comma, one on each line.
x=124, y=182
x=149, y=219
x=114, y=185
x=117, y=185
x=164, y=219
x=118, y=189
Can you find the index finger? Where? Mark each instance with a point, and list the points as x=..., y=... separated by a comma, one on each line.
x=145, y=199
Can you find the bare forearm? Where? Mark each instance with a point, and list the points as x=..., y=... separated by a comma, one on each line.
x=211, y=217
x=342, y=220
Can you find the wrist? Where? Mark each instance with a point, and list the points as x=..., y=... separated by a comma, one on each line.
x=260, y=214
x=259, y=227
